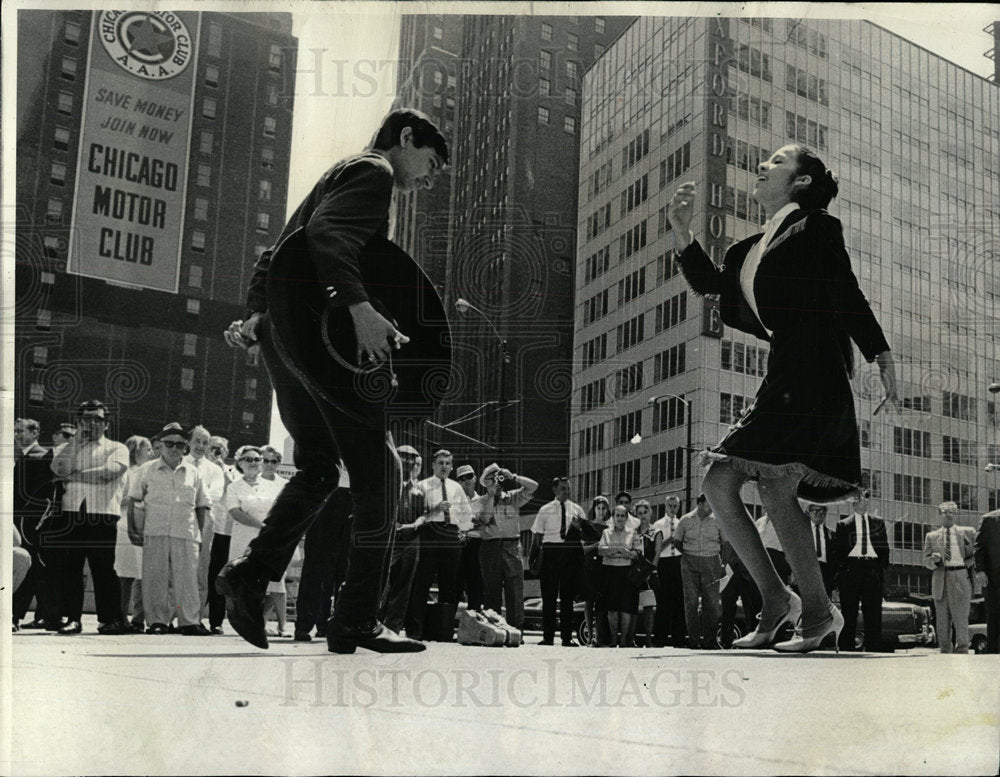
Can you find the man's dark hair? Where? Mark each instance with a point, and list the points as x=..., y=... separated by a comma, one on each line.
x=425, y=133
x=92, y=406
x=824, y=185
x=620, y=494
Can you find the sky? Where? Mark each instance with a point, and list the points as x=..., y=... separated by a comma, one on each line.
x=347, y=51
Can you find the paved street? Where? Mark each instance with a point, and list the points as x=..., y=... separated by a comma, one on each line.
x=175, y=705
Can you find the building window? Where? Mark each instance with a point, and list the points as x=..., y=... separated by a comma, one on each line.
x=264, y=191
x=545, y=60
x=438, y=33
x=247, y=418
x=68, y=68
x=197, y=240
x=543, y=114
x=250, y=388
x=52, y=247
x=599, y=25
x=449, y=103
x=71, y=33
x=263, y=222
x=546, y=31
x=570, y=96
x=270, y=126
x=438, y=78
x=39, y=356
x=36, y=395
x=208, y=108
x=569, y=124
x=258, y=250
x=267, y=158
x=544, y=86
x=190, y=344
x=43, y=320
x=571, y=70
x=598, y=50
x=211, y=75
x=572, y=41
x=194, y=276
x=53, y=214
x=194, y=307
x=201, y=208
x=187, y=379
x=65, y=104
x=204, y=177
x=214, y=40
x=452, y=82
x=58, y=174
x=60, y=139
x=436, y=100
x=272, y=94
x=274, y=59
x=206, y=142
x=48, y=278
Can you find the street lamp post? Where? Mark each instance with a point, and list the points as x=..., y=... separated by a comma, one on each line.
x=688, y=448
x=463, y=306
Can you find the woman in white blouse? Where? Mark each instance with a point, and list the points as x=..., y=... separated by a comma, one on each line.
x=128, y=552
x=248, y=500
x=618, y=546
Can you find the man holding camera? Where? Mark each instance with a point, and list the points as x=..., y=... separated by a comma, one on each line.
x=497, y=515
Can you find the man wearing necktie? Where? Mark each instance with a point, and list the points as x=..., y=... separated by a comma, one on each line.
x=497, y=514
x=556, y=534
x=988, y=575
x=823, y=542
x=446, y=513
x=950, y=552
x=862, y=547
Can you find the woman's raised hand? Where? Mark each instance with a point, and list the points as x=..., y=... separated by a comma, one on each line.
x=680, y=210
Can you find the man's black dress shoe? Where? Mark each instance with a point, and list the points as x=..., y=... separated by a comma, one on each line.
x=244, y=589
x=341, y=638
x=73, y=627
x=34, y=625
x=157, y=628
x=15, y=628
x=114, y=627
x=217, y=631
x=302, y=636
x=569, y=643
x=546, y=642
x=55, y=625
x=195, y=630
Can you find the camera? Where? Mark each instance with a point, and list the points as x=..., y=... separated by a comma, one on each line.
x=505, y=483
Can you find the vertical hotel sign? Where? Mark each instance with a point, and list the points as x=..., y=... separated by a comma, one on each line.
x=135, y=136
x=717, y=116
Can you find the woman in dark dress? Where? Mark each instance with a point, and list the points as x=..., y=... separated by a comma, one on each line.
x=794, y=287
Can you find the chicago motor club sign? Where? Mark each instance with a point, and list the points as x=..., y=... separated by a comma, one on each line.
x=149, y=44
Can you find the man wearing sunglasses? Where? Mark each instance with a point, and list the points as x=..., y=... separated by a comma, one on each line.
x=173, y=514
x=90, y=468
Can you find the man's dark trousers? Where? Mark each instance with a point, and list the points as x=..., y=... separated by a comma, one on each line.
x=316, y=426
x=561, y=563
x=323, y=567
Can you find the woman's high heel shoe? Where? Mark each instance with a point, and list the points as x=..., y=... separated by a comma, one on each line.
x=759, y=638
x=810, y=638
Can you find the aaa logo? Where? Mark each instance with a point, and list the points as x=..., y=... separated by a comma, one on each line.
x=149, y=44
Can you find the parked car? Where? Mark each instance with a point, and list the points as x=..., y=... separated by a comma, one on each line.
x=977, y=637
x=904, y=625
x=533, y=621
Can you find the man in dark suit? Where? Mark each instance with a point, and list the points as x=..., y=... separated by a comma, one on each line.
x=862, y=547
x=33, y=493
x=988, y=571
x=345, y=211
x=825, y=547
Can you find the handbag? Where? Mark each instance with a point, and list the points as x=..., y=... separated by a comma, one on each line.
x=640, y=570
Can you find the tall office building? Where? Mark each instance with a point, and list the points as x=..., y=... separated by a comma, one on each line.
x=508, y=232
x=152, y=169
x=915, y=140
